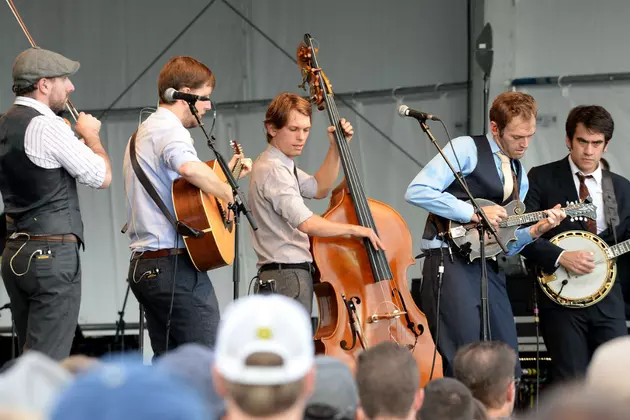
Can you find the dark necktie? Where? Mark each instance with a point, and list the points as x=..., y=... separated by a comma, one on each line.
x=592, y=224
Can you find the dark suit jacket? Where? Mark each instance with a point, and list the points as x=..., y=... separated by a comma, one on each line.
x=553, y=184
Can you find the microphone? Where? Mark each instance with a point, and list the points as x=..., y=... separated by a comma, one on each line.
x=171, y=95
x=405, y=111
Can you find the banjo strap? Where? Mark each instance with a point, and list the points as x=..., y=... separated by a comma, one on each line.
x=611, y=212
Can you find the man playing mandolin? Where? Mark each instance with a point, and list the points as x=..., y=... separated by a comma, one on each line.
x=276, y=192
x=572, y=334
x=178, y=300
x=492, y=170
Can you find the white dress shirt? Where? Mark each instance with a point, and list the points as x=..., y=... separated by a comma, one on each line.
x=50, y=144
x=594, y=186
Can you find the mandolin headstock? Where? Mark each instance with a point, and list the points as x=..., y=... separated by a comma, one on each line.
x=580, y=211
x=312, y=74
x=236, y=147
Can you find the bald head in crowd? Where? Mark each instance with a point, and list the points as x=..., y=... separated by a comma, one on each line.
x=487, y=369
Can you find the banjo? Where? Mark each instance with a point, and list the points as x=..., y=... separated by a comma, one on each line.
x=579, y=291
x=466, y=236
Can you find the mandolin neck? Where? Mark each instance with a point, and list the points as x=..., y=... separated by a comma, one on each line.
x=523, y=219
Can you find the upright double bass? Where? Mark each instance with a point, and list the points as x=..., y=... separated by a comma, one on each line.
x=362, y=293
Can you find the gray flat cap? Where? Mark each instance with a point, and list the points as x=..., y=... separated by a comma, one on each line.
x=36, y=63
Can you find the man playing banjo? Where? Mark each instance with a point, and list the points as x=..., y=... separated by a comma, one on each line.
x=582, y=306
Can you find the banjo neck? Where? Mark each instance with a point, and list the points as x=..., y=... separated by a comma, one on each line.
x=619, y=249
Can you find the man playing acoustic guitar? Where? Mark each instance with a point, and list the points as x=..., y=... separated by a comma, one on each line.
x=492, y=170
x=572, y=334
x=161, y=274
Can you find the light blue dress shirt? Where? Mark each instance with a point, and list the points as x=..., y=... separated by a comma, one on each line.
x=163, y=144
x=427, y=188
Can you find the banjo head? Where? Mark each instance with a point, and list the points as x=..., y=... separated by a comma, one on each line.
x=579, y=291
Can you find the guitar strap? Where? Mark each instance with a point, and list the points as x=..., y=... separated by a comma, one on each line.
x=181, y=228
x=611, y=211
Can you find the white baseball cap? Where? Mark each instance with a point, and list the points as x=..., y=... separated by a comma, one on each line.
x=264, y=324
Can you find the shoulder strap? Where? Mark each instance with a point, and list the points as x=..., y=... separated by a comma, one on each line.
x=180, y=227
x=611, y=211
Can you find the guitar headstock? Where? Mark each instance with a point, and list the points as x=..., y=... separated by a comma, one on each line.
x=237, y=148
x=581, y=210
x=312, y=74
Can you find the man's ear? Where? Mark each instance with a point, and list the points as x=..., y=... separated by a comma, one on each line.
x=271, y=129
x=418, y=399
x=567, y=140
x=511, y=392
x=43, y=85
x=360, y=414
x=219, y=383
x=494, y=129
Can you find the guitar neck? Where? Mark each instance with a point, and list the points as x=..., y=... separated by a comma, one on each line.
x=619, y=249
x=523, y=219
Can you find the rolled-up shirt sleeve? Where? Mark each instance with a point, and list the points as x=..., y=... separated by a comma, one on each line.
x=280, y=190
x=50, y=142
x=308, y=184
x=175, y=148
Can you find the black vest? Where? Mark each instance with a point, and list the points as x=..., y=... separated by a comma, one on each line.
x=39, y=201
x=483, y=182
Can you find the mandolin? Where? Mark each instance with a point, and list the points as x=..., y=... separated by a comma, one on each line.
x=466, y=235
x=215, y=248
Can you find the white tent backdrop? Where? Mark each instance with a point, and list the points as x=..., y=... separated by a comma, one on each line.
x=364, y=45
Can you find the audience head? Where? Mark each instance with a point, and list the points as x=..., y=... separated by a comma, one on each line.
x=480, y=410
x=335, y=395
x=193, y=364
x=264, y=361
x=487, y=369
x=388, y=382
x=127, y=389
x=609, y=369
x=33, y=383
x=573, y=401
x=447, y=399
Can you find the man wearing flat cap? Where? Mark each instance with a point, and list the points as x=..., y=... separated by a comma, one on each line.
x=41, y=160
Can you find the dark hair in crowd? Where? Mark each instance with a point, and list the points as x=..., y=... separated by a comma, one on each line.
x=447, y=398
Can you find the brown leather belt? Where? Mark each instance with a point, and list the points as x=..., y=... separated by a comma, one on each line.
x=158, y=254
x=68, y=237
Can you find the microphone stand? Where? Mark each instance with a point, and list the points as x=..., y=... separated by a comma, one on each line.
x=484, y=227
x=239, y=205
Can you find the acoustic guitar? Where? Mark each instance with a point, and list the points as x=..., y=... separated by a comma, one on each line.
x=466, y=236
x=215, y=248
